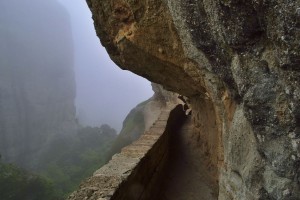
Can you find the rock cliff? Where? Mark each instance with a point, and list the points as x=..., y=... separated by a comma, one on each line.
x=37, y=86
x=237, y=62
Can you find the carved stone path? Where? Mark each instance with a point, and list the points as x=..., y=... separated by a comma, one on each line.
x=188, y=177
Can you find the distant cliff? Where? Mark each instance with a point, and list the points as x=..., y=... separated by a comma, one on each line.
x=140, y=118
x=37, y=86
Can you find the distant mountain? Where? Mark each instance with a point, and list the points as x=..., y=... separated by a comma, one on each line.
x=133, y=128
x=37, y=83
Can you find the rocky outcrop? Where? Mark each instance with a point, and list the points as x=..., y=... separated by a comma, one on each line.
x=37, y=86
x=237, y=62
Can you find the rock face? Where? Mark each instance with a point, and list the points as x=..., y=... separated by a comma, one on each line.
x=237, y=62
x=37, y=86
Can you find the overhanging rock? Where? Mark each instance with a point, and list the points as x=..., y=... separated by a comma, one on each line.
x=238, y=63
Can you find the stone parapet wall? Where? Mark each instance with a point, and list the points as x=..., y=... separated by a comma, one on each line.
x=137, y=171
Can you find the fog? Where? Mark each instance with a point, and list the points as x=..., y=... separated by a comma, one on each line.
x=54, y=73
x=105, y=93
x=41, y=43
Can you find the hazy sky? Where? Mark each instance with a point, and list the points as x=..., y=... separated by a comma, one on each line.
x=105, y=93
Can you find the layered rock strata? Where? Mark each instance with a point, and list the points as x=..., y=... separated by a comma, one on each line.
x=237, y=62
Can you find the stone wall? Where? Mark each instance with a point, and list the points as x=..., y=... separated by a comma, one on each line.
x=137, y=172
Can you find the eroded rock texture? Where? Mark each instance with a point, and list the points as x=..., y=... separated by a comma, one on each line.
x=238, y=63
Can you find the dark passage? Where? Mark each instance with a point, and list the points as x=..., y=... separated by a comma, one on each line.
x=188, y=177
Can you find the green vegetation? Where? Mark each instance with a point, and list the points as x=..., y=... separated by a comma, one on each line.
x=16, y=184
x=64, y=164
x=70, y=160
